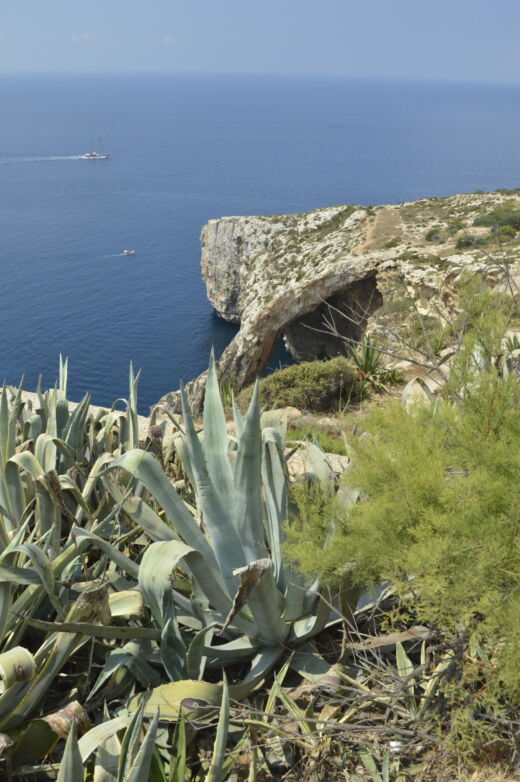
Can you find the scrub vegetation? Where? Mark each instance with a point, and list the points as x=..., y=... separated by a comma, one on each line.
x=177, y=607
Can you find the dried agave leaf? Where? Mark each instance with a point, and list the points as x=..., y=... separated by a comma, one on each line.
x=61, y=721
x=250, y=576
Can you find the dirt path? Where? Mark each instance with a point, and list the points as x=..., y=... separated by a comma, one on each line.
x=387, y=225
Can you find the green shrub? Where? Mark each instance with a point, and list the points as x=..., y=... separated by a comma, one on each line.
x=434, y=234
x=318, y=386
x=502, y=215
x=391, y=243
x=505, y=233
x=468, y=241
x=425, y=333
x=329, y=442
x=440, y=514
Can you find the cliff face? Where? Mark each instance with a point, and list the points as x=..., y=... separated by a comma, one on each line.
x=228, y=247
x=347, y=267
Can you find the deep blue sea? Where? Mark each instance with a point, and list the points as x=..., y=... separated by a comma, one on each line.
x=184, y=149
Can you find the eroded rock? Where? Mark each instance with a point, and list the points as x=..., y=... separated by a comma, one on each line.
x=354, y=268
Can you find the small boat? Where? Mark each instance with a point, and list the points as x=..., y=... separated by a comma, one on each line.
x=128, y=252
x=95, y=156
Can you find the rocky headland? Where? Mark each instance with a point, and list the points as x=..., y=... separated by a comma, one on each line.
x=351, y=269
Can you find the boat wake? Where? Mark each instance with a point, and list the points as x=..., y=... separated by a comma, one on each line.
x=38, y=159
x=116, y=255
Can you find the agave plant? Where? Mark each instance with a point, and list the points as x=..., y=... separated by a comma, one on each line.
x=101, y=557
x=51, y=457
x=244, y=603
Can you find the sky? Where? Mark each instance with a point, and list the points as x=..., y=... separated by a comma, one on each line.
x=446, y=40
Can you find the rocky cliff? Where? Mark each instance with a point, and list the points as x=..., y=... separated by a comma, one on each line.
x=347, y=268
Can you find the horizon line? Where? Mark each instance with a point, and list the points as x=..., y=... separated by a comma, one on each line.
x=267, y=74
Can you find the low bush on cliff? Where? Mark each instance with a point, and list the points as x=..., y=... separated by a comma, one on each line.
x=501, y=216
x=438, y=517
x=317, y=386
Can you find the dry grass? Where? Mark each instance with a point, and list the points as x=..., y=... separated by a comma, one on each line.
x=490, y=774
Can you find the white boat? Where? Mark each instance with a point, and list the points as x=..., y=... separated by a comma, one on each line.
x=128, y=252
x=95, y=156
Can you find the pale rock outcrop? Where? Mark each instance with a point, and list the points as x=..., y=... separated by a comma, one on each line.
x=346, y=267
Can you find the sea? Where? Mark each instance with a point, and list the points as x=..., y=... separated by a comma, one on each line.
x=185, y=149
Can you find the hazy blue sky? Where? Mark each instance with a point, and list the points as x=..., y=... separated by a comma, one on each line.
x=456, y=40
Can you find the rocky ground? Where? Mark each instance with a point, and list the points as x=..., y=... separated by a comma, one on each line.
x=350, y=268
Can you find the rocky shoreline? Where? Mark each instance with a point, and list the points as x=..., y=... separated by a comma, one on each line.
x=286, y=274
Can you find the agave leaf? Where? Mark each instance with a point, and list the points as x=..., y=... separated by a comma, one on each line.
x=216, y=439
x=63, y=376
x=157, y=565
x=107, y=756
x=19, y=575
x=34, y=427
x=405, y=671
x=74, y=432
x=140, y=768
x=308, y=663
x=9, y=443
x=139, y=512
x=219, y=518
x=27, y=461
x=71, y=766
x=409, y=387
x=178, y=756
x=146, y=469
x=320, y=465
x=32, y=742
x=62, y=416
x=93, y=630
x=172, y=697
x=171, y=553
x=42, y=566
x=219, y=747
x=19, y=700
x=115, y=660
x=100, y=733
x=172, y=650
x=128, y=602
x=196, y=655
x=248, y=466
x=305, y=628
x=130, y=743
x=290, y=704
x=4, y=425
x=261, y=664
x=234, y=651
x=14, y=493
x=94, y=475
x=16, y=665
x=274, y=479
x=45, y=451
x=133, y=426
x=122, y=561
x=264, y=601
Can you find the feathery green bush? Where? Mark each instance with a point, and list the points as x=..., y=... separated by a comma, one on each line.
x=440, y=488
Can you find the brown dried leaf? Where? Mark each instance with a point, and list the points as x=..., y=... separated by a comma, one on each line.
x=250, y=575
x=61, y=721
x=92, y=606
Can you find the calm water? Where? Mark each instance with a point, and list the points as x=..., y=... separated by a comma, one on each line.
x=185, y=149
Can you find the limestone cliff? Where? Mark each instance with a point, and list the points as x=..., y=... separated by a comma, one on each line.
x=345, y=266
